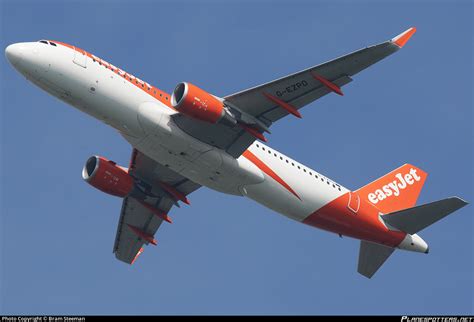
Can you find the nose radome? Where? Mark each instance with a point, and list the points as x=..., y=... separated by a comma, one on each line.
x=14, y=53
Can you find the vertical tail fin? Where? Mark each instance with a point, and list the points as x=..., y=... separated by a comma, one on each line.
x=396, y=190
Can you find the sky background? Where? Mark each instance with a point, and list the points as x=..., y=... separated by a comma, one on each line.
x=226, y=254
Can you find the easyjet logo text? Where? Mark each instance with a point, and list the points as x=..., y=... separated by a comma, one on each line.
x=395, y=187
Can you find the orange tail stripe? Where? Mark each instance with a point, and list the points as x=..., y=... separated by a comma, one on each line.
x=262, y=166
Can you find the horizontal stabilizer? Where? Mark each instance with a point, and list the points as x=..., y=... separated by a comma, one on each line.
x=412, y=220
x=371, y=257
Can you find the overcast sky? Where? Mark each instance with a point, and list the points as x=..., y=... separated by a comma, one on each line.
x=226, y=254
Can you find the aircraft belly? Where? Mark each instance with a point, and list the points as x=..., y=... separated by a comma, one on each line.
x=214, y=171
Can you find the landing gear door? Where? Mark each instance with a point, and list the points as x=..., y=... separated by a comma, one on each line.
x=80, y=57
x=353, y=202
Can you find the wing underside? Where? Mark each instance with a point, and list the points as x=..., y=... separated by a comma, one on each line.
x=127, y=242
x=141, y=218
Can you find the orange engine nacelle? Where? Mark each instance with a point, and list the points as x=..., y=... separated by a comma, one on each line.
x=197, y=103
x=107, y=176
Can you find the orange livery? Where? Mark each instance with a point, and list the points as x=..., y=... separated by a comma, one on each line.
x=192, y=139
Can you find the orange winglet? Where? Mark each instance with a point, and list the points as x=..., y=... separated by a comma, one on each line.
x=253, y=131
x=140, y=233
x=174, y=193
x=157, y=212
x=402, y=38
x=138, y=254
x=330, y=85
x=286, y=106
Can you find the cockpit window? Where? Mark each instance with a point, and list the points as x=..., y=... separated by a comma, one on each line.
x=52, y=44
x=43, y=41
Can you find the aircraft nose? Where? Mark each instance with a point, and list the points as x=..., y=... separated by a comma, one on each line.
x=14, y=53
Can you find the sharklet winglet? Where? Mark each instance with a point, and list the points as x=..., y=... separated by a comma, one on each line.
x=403, y=38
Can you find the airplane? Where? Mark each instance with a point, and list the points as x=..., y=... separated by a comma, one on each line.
x=192, y=138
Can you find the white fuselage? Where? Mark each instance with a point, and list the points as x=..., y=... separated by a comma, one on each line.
x=144, y=116
x=132, y=107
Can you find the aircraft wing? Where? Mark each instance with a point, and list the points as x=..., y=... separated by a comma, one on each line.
x=269, y=102
x=139, y=220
